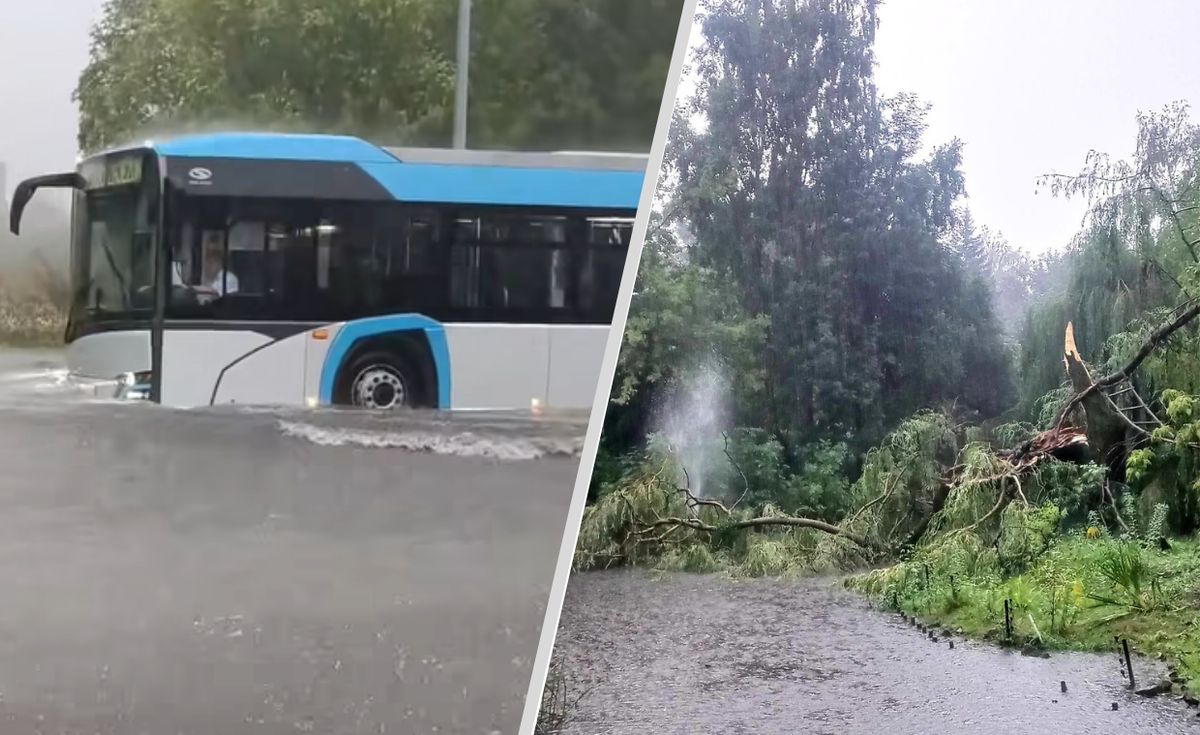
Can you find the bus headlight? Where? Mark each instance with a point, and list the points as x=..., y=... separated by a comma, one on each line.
x=133, y=386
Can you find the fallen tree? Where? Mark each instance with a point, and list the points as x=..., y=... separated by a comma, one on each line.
x=913, y=494
x=906, y=494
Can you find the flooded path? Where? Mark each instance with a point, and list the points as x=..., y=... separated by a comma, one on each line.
x=258, y=571
x=706, y=654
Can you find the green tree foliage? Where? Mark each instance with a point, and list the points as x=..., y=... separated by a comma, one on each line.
x=1168, y=470
x=545, y=73
x=802, y=189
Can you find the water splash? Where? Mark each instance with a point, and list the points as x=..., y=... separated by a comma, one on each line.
x=459, y=444
x=693, y=421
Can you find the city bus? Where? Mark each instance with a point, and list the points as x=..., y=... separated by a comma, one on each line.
x=324, y=270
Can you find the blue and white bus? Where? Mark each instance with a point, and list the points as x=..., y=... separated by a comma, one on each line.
x=257, y=268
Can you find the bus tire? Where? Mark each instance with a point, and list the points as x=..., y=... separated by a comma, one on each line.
x=381, y=380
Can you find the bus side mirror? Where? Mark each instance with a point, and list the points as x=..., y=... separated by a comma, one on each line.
x=24, y=192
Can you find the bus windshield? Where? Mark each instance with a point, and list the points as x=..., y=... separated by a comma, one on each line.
x=112, y=249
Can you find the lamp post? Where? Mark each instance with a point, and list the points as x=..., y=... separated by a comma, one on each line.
x=461, y=73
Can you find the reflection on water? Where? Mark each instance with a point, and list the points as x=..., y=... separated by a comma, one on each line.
x=704, y=654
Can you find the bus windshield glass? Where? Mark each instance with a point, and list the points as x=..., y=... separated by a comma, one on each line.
x=112, y=247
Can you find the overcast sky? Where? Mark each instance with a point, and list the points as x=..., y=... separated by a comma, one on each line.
x=1029, y=86
x=43, y=47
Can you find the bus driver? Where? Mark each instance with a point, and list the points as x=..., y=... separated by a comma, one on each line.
x=215, y=280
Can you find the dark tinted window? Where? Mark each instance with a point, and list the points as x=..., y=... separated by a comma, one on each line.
x=602, y=264
x=505, y=262
x=300, y=260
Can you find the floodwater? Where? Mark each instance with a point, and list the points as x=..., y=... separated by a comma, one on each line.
x=691, y=654
x=256, y=571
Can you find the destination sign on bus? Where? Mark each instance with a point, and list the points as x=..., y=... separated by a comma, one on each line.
x=117, y=171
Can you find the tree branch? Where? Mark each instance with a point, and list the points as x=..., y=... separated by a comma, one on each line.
x=768, y=522
x=1113, y=500
x=736, y=466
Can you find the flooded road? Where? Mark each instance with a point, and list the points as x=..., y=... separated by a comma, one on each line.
x=255, y=571
x=706, y=654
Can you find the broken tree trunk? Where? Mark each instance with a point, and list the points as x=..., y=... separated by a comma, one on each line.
x=1106, y=429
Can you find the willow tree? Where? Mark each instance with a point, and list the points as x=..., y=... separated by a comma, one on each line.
x=1136, y=258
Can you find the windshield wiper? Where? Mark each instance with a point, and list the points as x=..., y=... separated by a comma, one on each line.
x=112, y=265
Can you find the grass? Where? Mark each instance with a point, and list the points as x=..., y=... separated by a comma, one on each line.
x=30, y=322
x=1077, y=596
x=33, y=302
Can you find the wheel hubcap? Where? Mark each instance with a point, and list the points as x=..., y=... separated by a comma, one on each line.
x=380, y=387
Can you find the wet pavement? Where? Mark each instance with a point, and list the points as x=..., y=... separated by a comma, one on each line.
x=653, y=653
x=258, y=571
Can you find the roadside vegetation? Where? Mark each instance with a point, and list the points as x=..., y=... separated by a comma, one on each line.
x=891, y=393
x=33, y=304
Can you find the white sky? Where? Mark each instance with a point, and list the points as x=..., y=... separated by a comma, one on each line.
x=1031, y=86
x=1028, y=85
x=43, y=48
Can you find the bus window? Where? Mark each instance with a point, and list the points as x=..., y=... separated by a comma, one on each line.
x=215, y=276
x=182, y=262
x=325, y=231
x=293, y=270
x=511, y=262
x=246, y=259
x=603, y=258
x=560, y=275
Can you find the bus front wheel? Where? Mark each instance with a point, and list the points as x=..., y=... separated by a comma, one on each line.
x=380, y=381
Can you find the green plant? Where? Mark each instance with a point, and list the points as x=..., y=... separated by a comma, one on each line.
x=1156, y=530
x=1133, y=587
x=693, y=558
x=1129, y=509
x=1013, y=433
x=766, y=556
x=1096, y=521
x=1026, y=534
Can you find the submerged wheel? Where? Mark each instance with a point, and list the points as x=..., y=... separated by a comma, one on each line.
x=381, y=382
x=379, y=387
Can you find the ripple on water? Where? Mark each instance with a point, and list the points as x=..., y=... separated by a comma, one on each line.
x=691, y=654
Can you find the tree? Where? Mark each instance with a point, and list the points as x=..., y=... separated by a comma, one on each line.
x=684, y=318
x=802, y=188
x=545, y=73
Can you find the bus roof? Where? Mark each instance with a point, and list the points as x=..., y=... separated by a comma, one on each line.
x=355, y=168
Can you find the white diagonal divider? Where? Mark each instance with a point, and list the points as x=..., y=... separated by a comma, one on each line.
x=562, y=572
